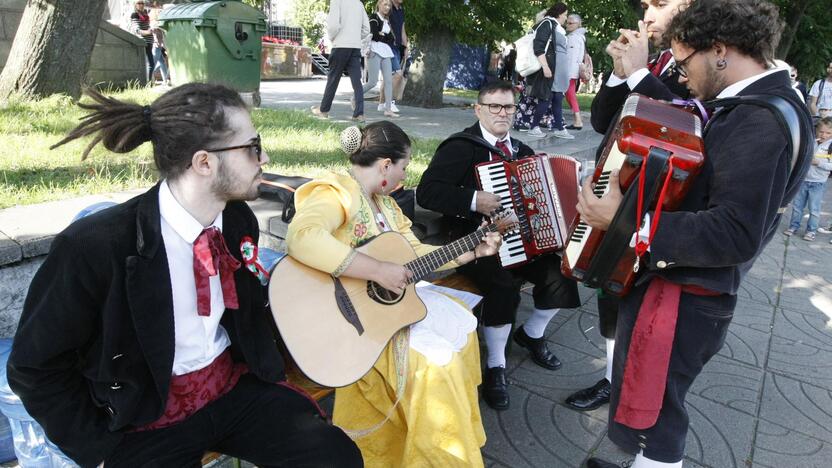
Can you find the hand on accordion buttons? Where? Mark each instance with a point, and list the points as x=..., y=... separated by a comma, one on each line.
x=487, y=203
x=598, y=212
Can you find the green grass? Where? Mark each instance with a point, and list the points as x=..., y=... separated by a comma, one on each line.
x=297, y=143
x=584, y=100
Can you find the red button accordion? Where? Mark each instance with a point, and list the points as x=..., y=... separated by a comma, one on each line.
x=543, y=192
x=650, y=137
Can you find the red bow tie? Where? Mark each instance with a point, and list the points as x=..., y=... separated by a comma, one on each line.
x=211, y=257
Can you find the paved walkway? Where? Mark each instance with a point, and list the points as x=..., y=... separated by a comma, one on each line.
x=763, y=401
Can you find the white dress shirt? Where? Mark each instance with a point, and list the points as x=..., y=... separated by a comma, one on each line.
x=198, y=340
x=492, y=140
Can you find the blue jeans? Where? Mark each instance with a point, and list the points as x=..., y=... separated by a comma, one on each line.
x=159, y=63
x=811, y=194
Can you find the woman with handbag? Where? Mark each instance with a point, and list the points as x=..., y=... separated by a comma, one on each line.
x=576, y=50
x=548, y=84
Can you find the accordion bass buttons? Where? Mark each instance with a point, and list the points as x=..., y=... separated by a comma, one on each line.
x=661, y=264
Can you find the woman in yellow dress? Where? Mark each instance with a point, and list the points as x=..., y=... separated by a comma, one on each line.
x=418, y=405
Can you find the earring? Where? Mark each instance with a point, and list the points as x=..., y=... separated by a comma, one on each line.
x=383, y=184
x=721, y=64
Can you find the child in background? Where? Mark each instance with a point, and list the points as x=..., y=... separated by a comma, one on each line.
x=811, y=191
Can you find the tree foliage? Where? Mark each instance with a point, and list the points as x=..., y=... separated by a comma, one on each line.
x=807, y=41
x=311, y=16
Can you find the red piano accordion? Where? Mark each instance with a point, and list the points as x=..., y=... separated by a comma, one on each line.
x=543, y=192
x=658, y=149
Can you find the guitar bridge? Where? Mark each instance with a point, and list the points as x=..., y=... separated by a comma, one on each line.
x=346, y=307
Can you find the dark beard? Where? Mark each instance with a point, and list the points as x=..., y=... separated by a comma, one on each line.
x=223, y=187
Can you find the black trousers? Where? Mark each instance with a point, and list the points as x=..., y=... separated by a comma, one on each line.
x=700, y=333
x=266, y=424
x=148, y=52
x=607, y=314
x=341, y=59
x=500, y=287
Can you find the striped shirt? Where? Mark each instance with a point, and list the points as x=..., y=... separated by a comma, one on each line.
x=141, y=22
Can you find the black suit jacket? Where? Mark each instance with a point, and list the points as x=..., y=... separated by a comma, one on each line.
x=93, y=353
x=731, y=212
x=609, y=100
x=448, y=184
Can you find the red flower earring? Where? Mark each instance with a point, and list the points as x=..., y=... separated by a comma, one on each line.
x=383, y=184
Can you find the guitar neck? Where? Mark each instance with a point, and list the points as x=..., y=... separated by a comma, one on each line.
x=426, y=264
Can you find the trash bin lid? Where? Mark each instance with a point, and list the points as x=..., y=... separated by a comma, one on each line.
x=6, y=393
x=207, y=13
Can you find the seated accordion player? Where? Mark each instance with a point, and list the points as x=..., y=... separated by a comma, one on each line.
x=658, y=149
x=543, y=192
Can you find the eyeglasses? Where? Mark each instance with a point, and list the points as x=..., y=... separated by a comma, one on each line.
x=496, y=108
x=255, y=148
x=681, y=65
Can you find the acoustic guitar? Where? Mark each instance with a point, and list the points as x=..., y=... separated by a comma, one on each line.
x=336, y=328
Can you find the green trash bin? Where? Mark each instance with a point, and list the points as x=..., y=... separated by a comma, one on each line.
x=215, y=42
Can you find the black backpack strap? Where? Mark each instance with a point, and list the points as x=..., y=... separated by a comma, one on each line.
x=786, y=115
x=476, y=140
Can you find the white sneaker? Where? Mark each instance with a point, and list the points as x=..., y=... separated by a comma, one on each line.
x=563, y=134
x=380, y=108
x=536, y=132
x=826, y=230
x=393, y=106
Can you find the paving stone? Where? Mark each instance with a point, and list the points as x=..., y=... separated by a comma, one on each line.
x=797, y=405
x=14, y=284
x=802, y=355
x=719, y=436
x=806, y=289
x=730, y=383
x=10, y=250
x=536, y=432
x=579, y=371
x=580, y=332
x=776, y=447
x=754, y=315
x=745, y=345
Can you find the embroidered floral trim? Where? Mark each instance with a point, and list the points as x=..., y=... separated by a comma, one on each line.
x=345, y=264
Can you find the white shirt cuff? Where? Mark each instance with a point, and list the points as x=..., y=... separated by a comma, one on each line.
x=636, y=77
x=474, y=202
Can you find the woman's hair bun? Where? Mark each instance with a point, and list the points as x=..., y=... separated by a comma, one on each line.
x=351, y=140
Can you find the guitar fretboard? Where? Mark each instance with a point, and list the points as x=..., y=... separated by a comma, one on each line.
x=426, y=264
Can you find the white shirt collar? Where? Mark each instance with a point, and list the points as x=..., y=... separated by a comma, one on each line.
x=492, y=140
x=737, y=87
x=185, y=225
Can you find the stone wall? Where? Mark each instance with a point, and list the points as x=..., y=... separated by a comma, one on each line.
x=118, y=57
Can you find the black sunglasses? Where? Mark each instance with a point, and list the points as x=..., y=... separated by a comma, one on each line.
x=681, y=65
x=256, y=146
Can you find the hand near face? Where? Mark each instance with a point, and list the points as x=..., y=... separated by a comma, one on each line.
x=635, y=52
x=599, y=212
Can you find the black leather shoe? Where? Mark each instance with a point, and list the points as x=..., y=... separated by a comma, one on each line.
x=572, y=127
x=590, y=398
x=598, y=463
x=539, y=351
x=495, y=388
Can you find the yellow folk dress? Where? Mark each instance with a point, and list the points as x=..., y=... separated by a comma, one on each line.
x=437, y=422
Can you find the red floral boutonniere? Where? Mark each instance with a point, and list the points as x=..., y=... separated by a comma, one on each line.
x=248, y=250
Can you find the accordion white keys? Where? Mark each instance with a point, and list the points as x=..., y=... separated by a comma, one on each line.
x=543, y=192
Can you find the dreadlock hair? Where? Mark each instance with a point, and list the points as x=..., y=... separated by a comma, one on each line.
x=751, y=26
x=179, y=123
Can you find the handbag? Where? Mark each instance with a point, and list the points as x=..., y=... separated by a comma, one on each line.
x=585, y=69
x=527, y=62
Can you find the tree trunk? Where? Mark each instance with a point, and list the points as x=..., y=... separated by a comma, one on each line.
x=52, y=48
x=795, y=15
x=432, y=55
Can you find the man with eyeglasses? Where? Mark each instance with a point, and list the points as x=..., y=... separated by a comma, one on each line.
x=145, y=337
x=677, y=315
x=449, y=187
x=659, y=79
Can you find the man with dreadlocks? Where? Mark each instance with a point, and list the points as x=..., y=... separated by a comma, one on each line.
x=145, y=335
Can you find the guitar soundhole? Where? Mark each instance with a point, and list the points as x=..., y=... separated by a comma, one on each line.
x=381, y=295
